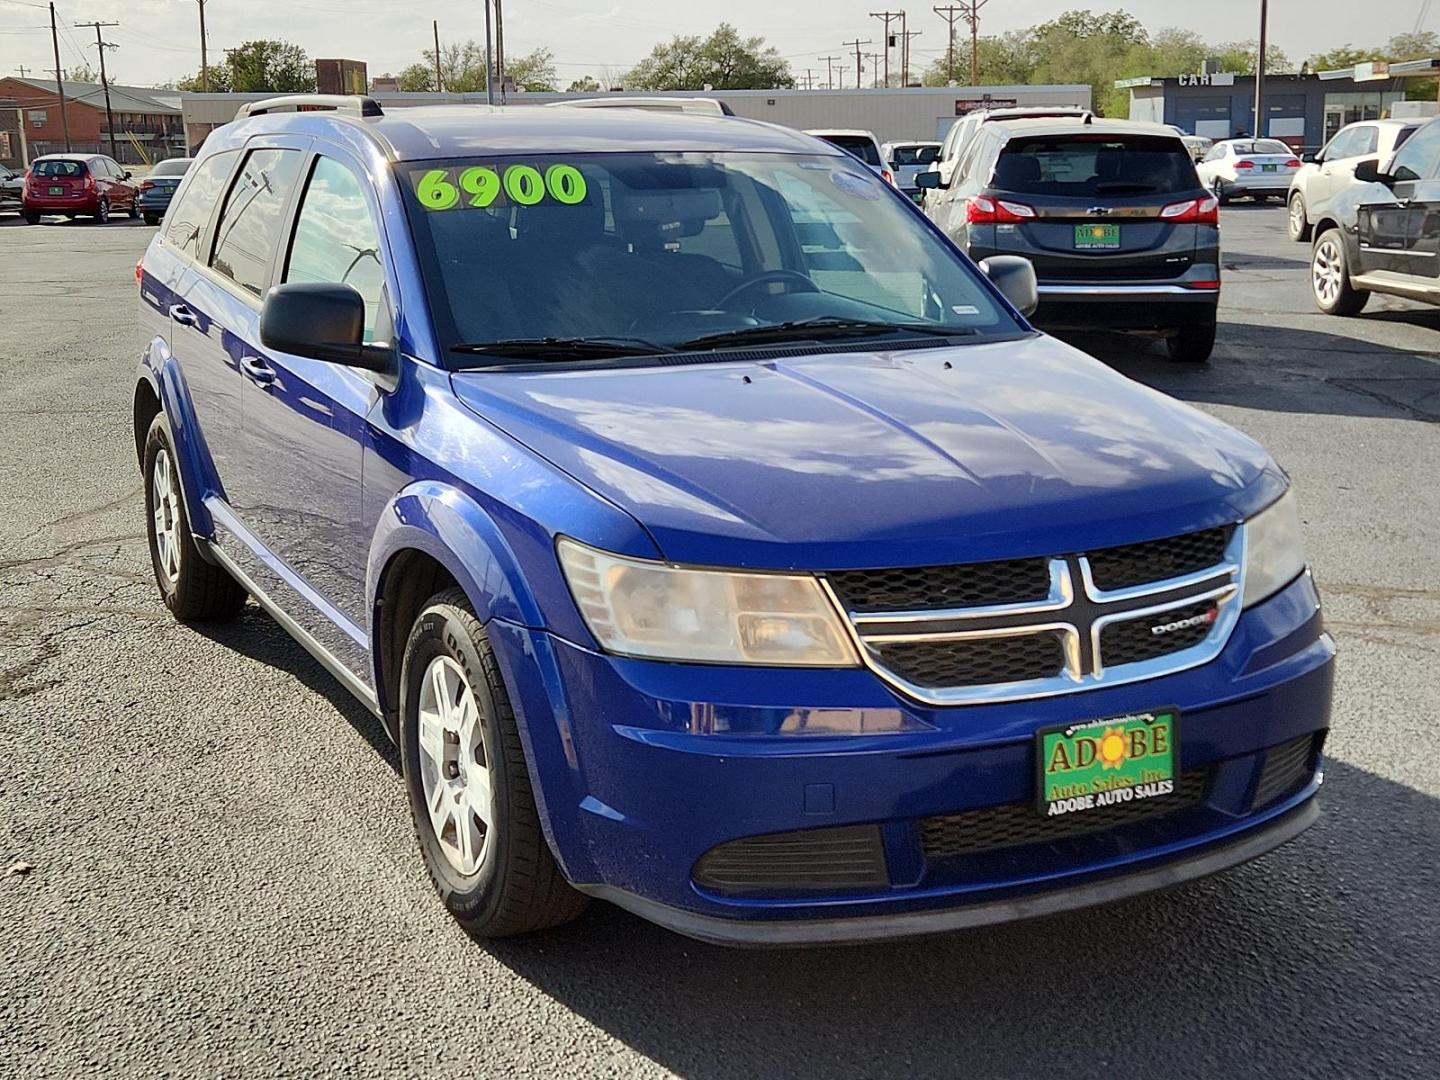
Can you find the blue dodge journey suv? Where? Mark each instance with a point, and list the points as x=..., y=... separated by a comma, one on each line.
x=710, y=534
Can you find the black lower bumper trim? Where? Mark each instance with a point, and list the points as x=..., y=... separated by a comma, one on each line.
x=795, y=932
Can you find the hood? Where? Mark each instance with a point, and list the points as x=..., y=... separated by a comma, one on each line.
x=863, y=459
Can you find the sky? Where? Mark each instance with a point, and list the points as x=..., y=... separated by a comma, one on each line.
x=159, y=39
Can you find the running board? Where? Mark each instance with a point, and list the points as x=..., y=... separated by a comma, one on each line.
x=1396, y=285
x=327, y=659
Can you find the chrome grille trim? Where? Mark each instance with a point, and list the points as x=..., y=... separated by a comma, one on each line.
x=1222, y=583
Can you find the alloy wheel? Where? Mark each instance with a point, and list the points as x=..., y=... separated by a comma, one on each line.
x=1297, y=216
x=166, y=500
x=1327, y=269
x=454, y=772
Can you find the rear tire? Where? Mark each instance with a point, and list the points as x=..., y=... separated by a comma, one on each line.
x=102, y=212
x=1220, y=194
x=152, y=219
x=1330, y=277
x=31, y=218
x=134, y=212
x=1298, y=227
x=1192, y=344
x=469, y=787
x=193, y=589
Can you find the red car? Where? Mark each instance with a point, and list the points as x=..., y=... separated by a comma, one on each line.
x=76, y=185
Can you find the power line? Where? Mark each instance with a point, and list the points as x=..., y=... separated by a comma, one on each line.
x=859, y=71
x=886, y=17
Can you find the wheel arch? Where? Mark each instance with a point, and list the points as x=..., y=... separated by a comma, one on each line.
x=160, y=389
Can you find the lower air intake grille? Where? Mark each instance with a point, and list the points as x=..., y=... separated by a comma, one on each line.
x=1019, y=824
x=1286, y=766
x=1135, y=640
x=845, y=859
x=974, y=661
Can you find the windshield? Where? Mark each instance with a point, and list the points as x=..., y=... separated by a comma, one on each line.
x=172, y=167
x=58, y=168
x=861, y=146
x=1261, y=146
x=1080, y=166
x=661, y=249
x=916, y=155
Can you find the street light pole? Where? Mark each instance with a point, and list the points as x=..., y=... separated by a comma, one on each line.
x=489, y=65
x=1259, y=131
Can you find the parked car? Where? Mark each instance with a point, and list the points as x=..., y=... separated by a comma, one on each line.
x=1377, y=234
x=906, y=159
x=157, y=189
x=1258, y=168
x=1122, y=233
x=780, y=596
x=1198, y=145
x=862, y=144
x=1333, y=168
x=957, y=139
x=78, y=185
x=12, y=185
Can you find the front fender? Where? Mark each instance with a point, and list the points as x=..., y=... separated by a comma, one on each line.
x=160, y=370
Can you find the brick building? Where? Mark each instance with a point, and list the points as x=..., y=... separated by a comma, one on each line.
x=149, y=118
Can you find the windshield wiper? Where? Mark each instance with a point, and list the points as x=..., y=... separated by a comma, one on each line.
x=563, y=348
x=818, y=328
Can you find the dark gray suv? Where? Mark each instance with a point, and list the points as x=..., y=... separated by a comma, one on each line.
x=1122, y=234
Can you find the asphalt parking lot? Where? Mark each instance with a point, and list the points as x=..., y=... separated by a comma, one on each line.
x=224, y=878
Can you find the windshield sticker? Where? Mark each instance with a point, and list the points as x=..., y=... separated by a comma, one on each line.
x=482, y=186
x=965, y=309
x=851, y=184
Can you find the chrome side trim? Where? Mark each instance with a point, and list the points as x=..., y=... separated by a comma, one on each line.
x=327, y=659
x=1060, y=596
x=1122, y=290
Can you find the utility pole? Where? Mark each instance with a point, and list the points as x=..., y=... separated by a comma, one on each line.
x=885, y=17
x=859, y=70
x=22, y=71
x=973, y=18
x=829, y=71
x=59, y=79
x=440, y=79
x=101, y=45
x=1259, y=131
x=489, y=53
x=500, y=48
x=905, y=36
x=950, y=13
x=809, y=80
x=204, y=53
x=874, y=59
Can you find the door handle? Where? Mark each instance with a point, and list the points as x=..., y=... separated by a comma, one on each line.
x=183, y=315
x=258, y=372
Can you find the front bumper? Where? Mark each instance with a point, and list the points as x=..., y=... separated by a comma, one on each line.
x=636, y=780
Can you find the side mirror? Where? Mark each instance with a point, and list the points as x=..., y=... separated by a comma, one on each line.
x=929, y=178
x=1015, y=278
x=1368, y=171
x=126, y=175
x=323, y=322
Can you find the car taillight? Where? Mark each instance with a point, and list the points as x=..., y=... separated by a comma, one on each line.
x=146, y=185
x=984, y=211
x=1293, y=163
x=87, y=182
x=887, y=176
x=1243, y=164
x=1202, y=211
x=139, y=273
x=1209, y=284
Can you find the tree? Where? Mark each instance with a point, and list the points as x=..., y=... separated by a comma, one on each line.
x=417, y=79
x=1003, y=61
x=271, y=66
x=534, y=72
x=219, y=82
x=1239, y=57
x=586, y=84
x=82, y=72
x=723, y=61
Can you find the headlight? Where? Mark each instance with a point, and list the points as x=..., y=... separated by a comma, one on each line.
x=1274, y=550
x=649, y=609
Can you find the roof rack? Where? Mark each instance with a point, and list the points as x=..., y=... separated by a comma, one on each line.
x=351, y=105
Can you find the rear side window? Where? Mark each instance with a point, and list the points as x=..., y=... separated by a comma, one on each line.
x=1405, y=134
x=250, y=223
x=336, y=240
x=57, y=169
x=1369, y=140
x=858, y=145
x=190, y=213
x=1082, y=166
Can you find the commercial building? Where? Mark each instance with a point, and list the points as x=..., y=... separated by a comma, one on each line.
x=147, y=122
x=1302, y=110
x=893, y=114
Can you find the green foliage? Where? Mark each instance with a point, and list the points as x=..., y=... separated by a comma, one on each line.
x=219, y=82
x=723, y=61
x=534, y=72
x=417, y=79
x=1239, y=57
x=81, y=72
x=270, y=65
x=586, y=84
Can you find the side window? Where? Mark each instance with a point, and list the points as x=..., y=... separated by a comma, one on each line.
x=1216, y=152
x=249, y=229
x=190, y=212
x=1367, y=140
x=1418, y=157
x=1338, y=147
x=336, y=240
x=967, y=160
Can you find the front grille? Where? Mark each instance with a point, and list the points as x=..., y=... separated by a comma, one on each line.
x=849, y=858
x=920, y=588
x=1132, y=641
x=1157, y=560
x=975, y=662
x=1286, y=767
x=1015, y=825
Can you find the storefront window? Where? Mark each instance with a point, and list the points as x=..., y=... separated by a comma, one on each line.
x=1347, y=108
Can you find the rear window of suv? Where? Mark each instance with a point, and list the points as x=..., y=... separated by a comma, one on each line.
x=1083, y=165
x=858, y=145
x=58, y=168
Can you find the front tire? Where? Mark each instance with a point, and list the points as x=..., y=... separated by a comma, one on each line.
x=193, y=589
x=1298, y=226
x=1220, y=194
x=1192, y=344
x=469, y=788
x=134, y=212
x=1330, y=277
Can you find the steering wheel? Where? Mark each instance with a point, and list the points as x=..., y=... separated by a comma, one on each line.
x=789, y=277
